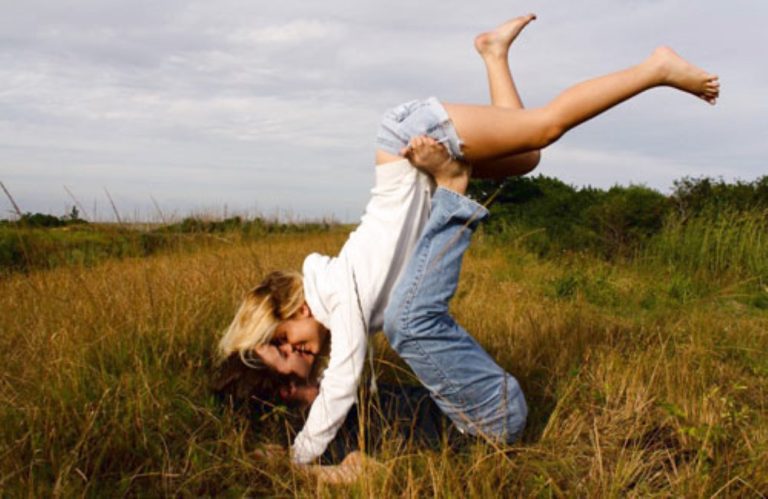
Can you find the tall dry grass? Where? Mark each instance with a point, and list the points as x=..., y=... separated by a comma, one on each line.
x=715, y=242
x=634, y=389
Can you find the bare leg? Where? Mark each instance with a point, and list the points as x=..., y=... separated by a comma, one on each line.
x=493, y=47
x=490, y=132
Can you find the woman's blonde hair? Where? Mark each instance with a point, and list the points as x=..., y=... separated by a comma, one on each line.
x=279, y=296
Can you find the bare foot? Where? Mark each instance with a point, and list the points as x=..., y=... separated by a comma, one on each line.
x=681, y=74
x=496, y=42
x=430, y=156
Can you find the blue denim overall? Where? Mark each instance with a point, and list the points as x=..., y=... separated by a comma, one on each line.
x=464, y=381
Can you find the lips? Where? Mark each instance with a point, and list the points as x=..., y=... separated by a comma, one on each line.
x=302, y=349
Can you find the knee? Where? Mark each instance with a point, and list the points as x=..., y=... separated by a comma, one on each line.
x=535, y=159
x=532, y=160
x=407, y=321
x=552, y=128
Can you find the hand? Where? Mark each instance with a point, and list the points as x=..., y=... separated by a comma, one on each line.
x=347, y=472
x=425, y=153
x=271, y=452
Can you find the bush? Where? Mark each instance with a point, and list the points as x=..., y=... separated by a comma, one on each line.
x=697, y=195
x=626, y=217
x=610, y=223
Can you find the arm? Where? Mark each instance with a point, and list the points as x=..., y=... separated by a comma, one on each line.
x=338, y=388
x=375, y=255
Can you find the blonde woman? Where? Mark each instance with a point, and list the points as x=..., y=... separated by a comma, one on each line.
x=337, y=301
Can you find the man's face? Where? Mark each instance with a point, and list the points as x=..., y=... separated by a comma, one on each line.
x=300, y=394
x=286, y=360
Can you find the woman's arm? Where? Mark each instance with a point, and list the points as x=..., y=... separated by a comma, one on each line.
x=338, y=387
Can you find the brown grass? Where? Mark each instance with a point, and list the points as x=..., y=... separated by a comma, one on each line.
x=634, y=388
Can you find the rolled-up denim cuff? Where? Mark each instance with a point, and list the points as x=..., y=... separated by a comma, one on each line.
x=414, y=118
x=451, y=137
x=458, y=205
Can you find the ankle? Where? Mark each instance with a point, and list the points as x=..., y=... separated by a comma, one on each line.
x=496, y=57
x=656, y=69
x=454, y=176
x=457, y=185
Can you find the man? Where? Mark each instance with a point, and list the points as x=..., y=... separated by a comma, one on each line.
x=397, y=415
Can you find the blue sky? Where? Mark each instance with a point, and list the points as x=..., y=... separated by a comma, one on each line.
x=271, y=108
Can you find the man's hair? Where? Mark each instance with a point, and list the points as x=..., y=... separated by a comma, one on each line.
x=238, y=383
x=277, y=298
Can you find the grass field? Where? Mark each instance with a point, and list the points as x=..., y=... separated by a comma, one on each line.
x=644, y=376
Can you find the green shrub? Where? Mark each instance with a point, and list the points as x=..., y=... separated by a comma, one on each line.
x=693, y=196
x=611, y=223
x=626, y=217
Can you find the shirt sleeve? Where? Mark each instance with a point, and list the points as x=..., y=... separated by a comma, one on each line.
x=338, y=388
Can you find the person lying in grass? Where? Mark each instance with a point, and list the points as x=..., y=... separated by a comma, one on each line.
x=392, y=417
x=332, y=306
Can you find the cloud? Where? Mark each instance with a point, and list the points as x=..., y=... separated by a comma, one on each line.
x=299, y=31
x=277, y=103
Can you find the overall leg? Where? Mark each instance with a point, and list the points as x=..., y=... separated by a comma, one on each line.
x=464, y=381
x=490, y=132
x=493, y=47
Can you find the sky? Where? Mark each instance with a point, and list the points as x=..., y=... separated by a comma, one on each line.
x=263, y=108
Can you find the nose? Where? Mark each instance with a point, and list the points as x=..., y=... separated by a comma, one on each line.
x=285, y=348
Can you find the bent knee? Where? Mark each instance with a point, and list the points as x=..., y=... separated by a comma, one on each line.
x=551, y=129
x=403, y=322
x=532, y=160
x=535, y=159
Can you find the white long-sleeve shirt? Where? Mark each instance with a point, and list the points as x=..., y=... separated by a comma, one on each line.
x=348, y=293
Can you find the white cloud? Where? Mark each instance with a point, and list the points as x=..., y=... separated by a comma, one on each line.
x=242, y=100
x=292, y=33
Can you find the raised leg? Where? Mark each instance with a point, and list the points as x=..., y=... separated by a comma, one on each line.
x=490, y=132
x=493, y=47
